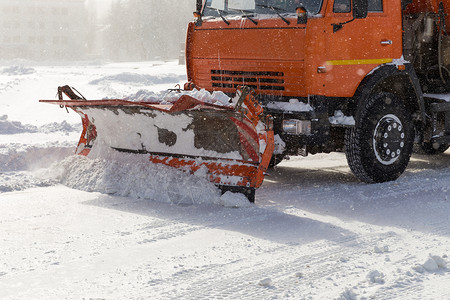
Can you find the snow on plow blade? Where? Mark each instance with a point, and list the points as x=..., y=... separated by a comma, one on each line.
x=234, y=145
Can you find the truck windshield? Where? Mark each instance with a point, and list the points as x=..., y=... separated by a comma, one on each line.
x=217, y=8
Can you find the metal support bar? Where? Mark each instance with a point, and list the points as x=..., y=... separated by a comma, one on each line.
x=440, y=107
x=441, y=140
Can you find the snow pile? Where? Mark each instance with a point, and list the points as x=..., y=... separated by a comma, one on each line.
x=17, y=157
x=18, y=70
x=167, y=97
x=375, y=276
x=348, y=294
x=294, y=105
x=433, y=264
x=280, y=145
x=19, y=181
x=381, y=249
x=399, y=61
x=265, y=282
x=21, y=165
x=230, y=199
x=340, y=119
x=63, y=126
x=138, y=79
x=14, y=127
x=131, y=175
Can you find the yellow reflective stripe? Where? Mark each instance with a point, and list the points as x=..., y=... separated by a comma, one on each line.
x=359, y=62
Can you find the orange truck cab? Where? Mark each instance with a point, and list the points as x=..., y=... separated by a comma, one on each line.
x=360, y=76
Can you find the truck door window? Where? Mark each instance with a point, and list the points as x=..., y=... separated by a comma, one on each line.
x=342, y=6
x=375, y=5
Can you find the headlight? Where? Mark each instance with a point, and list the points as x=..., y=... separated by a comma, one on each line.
x=297, y=126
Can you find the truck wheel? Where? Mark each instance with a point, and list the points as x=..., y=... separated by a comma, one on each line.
x=432, y=149
x=379, y=147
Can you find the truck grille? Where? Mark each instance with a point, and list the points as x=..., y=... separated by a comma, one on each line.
x=260, y=80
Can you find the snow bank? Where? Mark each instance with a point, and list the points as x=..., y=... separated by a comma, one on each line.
x=17, y=70
x=63, y=126
x=15, y=127
x=139, y=79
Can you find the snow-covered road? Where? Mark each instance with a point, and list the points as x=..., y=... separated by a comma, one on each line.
x=315, y=232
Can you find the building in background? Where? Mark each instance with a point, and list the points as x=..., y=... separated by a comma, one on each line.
x=43, y=29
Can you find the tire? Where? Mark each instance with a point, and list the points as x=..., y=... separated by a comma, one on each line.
x=432, y=149
x=379, y=147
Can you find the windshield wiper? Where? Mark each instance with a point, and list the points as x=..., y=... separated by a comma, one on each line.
x=248, y=17
x=223, y=18
x=276, y=10
x=245, y=15
x=220, y=12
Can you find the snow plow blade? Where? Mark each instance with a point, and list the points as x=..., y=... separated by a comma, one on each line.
x=234, y=145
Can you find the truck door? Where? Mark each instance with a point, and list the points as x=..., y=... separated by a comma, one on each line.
x=354, y=48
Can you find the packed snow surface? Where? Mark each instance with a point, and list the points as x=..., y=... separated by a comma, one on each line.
x=114, y=226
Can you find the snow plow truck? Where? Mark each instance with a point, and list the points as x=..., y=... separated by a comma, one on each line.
x=367, y=77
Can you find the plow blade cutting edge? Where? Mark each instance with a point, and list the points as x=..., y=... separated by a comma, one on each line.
x=234, y=145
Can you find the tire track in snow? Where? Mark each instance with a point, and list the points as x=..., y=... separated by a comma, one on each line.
x=280, y=263
x=233, y=279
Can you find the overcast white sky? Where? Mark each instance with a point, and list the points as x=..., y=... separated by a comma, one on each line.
x=100, y=5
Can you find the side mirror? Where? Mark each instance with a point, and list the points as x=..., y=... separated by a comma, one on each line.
x=302, y=15
x=198, y=18
x=360, y=9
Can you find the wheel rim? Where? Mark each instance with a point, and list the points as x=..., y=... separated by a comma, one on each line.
x=388, y=139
